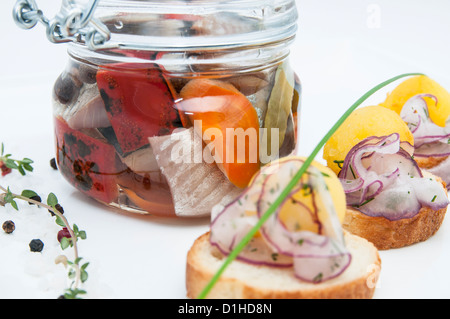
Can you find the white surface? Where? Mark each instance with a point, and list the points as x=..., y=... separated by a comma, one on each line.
x=343, y=49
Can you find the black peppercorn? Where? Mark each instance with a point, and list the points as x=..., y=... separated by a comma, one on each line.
x=66, y=88
x=53, y=163
x=36, y=245
x=9, y=226
x=36, y=198
x=59, y=208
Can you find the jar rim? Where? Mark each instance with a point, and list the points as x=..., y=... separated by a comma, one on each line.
x=175, y=25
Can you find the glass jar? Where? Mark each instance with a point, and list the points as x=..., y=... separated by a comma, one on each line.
x=183, y=104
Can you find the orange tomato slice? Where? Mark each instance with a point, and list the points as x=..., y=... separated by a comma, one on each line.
x=228, y=124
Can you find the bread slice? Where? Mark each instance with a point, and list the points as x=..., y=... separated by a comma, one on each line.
x=429, y=162
x=247, y=281
x=386, y=234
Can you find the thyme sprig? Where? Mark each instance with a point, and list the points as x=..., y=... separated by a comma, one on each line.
x=292, y=183
x=21, y=165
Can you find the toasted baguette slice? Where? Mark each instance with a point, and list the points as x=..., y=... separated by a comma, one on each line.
x=429, y=162
x=247, y=281
x=386, y=234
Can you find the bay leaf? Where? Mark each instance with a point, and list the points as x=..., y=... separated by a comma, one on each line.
x=279, y=105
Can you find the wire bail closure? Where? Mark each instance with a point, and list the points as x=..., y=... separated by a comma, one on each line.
x=72, y=23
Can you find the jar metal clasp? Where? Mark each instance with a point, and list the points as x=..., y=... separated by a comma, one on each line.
x=73, y=23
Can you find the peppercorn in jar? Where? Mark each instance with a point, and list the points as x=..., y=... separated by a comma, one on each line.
x=171, y=107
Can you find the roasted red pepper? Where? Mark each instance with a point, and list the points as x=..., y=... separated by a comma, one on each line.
x=87, y=162
x=139, y=102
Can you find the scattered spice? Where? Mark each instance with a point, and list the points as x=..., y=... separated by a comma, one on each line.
x=36, y=245
x=5, y=170
x=36, y=198
x=59, y=208
x=9, y=226
x=53, y=164
x=63, y=233
x=77, y=270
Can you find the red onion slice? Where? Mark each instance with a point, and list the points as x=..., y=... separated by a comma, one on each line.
x=315, y=257
x=434, y=149
x=442, y=170
x=232, y=222
x=391, y=183
x=430, y=140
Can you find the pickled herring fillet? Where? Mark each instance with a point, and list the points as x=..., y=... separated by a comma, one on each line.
x=442, y=170
x=222, y=24
x=259, y=101
x=87, y=111
x=142, y=161
x=196, y=186
x=93, y=115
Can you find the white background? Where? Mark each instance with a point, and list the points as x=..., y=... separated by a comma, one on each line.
x=343, y=49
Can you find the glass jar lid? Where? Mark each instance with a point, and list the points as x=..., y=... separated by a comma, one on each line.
x=169, y=25
x=189, y=24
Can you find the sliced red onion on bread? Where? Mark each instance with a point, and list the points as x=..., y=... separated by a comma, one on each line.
x=430, y=140
x=381, y=179
x=315, y=257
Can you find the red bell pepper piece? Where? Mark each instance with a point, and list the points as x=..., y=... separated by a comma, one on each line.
x=87, y=163
x=139, y=102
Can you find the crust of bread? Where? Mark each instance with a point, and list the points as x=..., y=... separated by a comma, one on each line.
x=247, y=281
x=386, y=234
x=429, y=162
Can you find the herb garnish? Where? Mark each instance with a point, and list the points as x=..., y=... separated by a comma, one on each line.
x=365, y=202
x=339, y=163
x=21, y=165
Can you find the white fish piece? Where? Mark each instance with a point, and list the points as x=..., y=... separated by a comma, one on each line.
x=196, y=186
x=222, y=24
x=442, y=170
x=88, y=111
x=260, y=101
x=143, y=162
